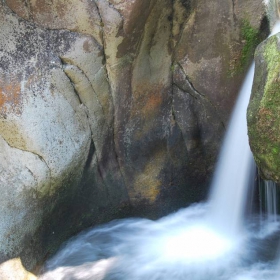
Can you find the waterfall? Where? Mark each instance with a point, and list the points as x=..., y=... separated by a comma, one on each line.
x=235, y=167
x=270, y=194
x=269, y=197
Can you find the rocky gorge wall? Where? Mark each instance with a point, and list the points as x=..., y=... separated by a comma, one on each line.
x=111, y=108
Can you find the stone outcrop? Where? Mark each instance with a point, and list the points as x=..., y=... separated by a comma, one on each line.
x=263, y=110
x=54, y=127
x=111, y=108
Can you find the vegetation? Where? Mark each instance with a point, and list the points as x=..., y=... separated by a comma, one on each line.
x=250, y=38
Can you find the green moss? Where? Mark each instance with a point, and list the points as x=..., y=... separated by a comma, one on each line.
x=272, y=59
x=271, y=97
x=275, y=150
x=267, y=128
x=252, y=38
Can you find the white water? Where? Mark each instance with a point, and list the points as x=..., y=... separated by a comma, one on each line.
x=275, y=29
x=181, y=246
x=207, y=241
x=270, y=200
x=234, y=169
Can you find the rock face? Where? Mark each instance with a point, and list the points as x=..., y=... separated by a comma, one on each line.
x=263, y=110
x=54, y=127
x=110, y=108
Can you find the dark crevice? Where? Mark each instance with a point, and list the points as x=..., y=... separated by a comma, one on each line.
x=102, y=178
x=87, y=168
x=91, y=152
x=264, y=28
x=110, y=90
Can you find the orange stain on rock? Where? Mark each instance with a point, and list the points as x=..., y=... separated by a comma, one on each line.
x=10, y=97
x=152, y=102
x=148, y=99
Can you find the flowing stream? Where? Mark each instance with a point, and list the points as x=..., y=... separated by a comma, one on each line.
x=206, y=241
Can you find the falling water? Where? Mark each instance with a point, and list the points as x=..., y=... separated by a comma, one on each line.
x=202, y=242
x=235, y=166
x=270, y=200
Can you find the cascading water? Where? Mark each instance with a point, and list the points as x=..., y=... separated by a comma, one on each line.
x=207, y=241
x=235, y=167
x=270, y=200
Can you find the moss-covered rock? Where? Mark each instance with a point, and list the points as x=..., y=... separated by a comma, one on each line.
x=263, y=111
